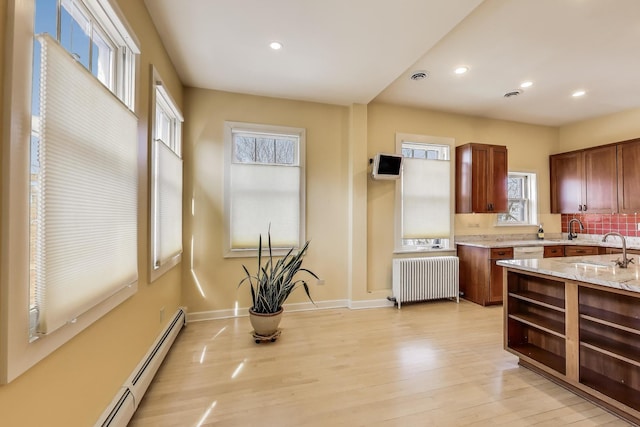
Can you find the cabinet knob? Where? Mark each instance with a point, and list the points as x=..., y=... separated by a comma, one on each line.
x=580, y=208
x=584, y=208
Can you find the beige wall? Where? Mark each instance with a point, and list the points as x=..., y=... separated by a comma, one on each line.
x=529, y=147
x=210, y=284
x=601, y=130
x=74, y=385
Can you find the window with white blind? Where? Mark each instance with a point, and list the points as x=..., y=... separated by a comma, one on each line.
x=264, y=187
x=166, y=181
x=423, y=193
x=72, y=217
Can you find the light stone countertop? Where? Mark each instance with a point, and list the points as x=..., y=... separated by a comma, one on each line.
x=519, y=241
x=595, y=269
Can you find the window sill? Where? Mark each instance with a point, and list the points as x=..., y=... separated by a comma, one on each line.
x=421, y=251
x=515, y=225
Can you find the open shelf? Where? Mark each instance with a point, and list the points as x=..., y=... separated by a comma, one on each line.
x=543, y=323
x=541, y=355
x=547, y=301
x=615, y=343
x=538, y=290
x=537, y=344
x=611, y=377
x=608, y=318
x=610, y=309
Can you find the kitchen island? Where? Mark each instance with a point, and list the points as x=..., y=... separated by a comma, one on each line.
x=576, y=320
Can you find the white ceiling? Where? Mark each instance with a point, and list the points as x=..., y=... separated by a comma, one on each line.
x=357, y=51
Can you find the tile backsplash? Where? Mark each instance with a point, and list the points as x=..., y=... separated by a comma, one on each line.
x=625, y=224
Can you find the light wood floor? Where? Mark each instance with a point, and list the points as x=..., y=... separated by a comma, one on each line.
x=429, y=364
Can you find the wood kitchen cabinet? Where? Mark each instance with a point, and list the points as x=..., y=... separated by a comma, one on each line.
x=577, y=250
x=582, y=335
x=585, y=181
x=481, y=178
x=629, y=177
x=480, y=277
x=553, y=251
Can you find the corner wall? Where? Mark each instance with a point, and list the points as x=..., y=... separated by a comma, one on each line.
x=529, y=147
x=210, y=280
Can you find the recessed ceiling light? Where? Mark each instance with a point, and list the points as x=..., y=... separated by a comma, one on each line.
x=461, y=70
x=526, y=84
x=578, y=93
x=275, y=45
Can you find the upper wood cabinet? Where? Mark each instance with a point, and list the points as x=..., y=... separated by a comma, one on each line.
x=629, y=177
x=481, y=178
x=584, y=181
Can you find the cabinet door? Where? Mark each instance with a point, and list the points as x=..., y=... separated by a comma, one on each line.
x=629, y=177
x=494, y=292
x=495, y=284
x=600, y=180
x=480, y=178
x=498, y=173
x=566, y=182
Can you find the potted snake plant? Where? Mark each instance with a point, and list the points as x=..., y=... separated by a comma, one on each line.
x=270, y=287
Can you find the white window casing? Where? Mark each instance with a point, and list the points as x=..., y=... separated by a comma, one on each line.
x=19, y=348
x=166, y=181
x=423, y=209
x=264, y=192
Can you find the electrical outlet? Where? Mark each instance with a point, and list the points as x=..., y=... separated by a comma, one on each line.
x=161, y=314
x=320, y=282
x=639, y=226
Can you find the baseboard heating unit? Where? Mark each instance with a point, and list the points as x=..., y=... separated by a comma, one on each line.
x=422, y=279
x=126, y=401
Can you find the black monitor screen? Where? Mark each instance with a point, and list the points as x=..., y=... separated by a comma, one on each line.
x=389, y=165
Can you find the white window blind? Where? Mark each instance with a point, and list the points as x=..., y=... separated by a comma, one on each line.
x=168, y=199
x=425, y=198
x=263, y=195
x=86, y=239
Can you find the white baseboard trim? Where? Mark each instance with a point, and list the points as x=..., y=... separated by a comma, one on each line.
x=374, y=303
x=304, y=306
x=128, y=397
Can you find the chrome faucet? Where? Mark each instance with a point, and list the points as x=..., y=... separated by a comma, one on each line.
x=625, y=261
x=571, y=234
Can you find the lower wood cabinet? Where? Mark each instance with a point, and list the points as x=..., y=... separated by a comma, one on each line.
x=480, y=277
x=585, y=336
x=554, y=251
x=577, y=250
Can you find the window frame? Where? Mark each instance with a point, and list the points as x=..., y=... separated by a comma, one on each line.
x=161, y=98
x=17, y=352
x=426, y=140
x=532, y=183
x=241, y=127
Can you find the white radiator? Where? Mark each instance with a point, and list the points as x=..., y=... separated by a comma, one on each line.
x=126, y=401
x=421, y=279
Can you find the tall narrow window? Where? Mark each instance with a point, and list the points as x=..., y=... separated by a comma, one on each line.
x=264, y=187
x=522, y=200
x=83, y=163
x=423, y=207
x=166, y=182
x=72, y=206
